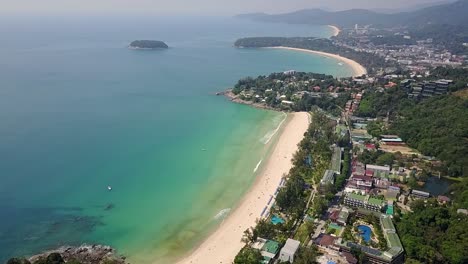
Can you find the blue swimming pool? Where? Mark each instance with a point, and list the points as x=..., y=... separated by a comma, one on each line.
x=365, y=232
x=277, y=220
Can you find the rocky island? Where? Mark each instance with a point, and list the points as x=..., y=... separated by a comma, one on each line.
x=148, y=44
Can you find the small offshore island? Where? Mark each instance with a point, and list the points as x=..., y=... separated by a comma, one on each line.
x=148, y=44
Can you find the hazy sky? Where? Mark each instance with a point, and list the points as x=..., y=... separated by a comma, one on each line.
x=211, y=7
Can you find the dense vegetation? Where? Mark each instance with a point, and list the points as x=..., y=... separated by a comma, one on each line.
x=438, y=127
x=433, y=233
x=248, y=256
x=304, y=89
x=370, y=61
x=381, y=104
x=148, y=44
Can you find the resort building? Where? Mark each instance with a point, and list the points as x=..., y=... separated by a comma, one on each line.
x=336, y=159
x=268, y=249
x=326, y=241
x=289, y=250
x=340, y=216
x=429, y=88
x=393, y=255
x=363, y=201
x=420, y=194
x=328, y=178
x=376, y=168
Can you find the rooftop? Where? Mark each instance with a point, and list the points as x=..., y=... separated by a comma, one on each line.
x=336, y=160
x=387, y=223
x=271, y=247
x=328, y=177
x=356, y=196
x=327, y=240
x=375, y=201
x=377, y=167
x=291, y=246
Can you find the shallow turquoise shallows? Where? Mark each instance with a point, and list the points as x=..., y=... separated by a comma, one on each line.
x=81, y=114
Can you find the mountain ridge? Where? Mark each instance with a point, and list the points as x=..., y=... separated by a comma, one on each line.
x=453, y=13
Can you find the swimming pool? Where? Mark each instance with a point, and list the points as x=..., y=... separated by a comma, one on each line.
x=365, y=232
x=277, y=220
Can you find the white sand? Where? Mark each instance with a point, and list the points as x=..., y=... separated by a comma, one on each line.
x=223, y=245
x=357, y=68
x=336, y=30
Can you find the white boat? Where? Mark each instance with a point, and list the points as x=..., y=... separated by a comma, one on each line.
x=109, y=188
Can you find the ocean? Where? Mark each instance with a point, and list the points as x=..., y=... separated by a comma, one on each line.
x=80, y=113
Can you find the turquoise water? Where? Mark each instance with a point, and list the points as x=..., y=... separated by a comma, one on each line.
x=365, y=232
x=80, y=112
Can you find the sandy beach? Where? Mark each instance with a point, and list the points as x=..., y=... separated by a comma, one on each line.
x=336, y=30
x=357, y=68
x=223, y=245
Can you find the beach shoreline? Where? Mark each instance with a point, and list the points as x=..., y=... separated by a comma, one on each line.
x=336, y=30
x=225, y=242
x=358, y=69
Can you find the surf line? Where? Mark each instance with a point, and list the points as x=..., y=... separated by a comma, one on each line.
x=271, y=134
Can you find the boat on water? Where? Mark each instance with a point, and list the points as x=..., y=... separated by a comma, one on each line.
x=109, y=188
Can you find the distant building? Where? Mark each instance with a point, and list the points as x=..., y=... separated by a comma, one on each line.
x=289, y=250
x=429, y=88
x=290, y=72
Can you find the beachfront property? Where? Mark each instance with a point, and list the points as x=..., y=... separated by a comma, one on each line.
x=289, y=250
x=355, y=200
x=268, y=249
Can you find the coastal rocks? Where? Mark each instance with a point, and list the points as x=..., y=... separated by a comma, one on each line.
x=85, y=254
x=235, y=99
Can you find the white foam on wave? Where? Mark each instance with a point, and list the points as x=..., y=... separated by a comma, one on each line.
x=222, y=214
x=258, y=165
x=265, y=139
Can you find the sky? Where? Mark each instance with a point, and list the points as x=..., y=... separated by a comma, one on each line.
x=195, y=7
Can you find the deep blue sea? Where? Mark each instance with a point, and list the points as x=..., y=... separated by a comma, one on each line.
x=80, y=112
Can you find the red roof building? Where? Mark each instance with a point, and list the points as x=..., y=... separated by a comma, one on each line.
x=327, y=241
